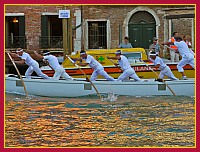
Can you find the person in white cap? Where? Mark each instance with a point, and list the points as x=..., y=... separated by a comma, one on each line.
x=155, y=46
x=123, y=62
x=33, y=65
x=54, y=64
x=95, y=65
x=164, y=69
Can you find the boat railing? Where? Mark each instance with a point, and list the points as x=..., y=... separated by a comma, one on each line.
x=51, y=42
x=16, y=42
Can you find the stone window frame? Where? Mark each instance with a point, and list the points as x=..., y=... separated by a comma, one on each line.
x=85, y=32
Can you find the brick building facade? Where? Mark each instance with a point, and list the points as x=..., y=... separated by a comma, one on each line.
x=96, y=27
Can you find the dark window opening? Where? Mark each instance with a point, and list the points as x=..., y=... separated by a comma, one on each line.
x=51, y=32
x=97, y=35
x=15, y=32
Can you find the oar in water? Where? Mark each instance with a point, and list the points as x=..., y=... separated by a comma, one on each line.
x=18, y=73
x=162, y=79
x=85, y=76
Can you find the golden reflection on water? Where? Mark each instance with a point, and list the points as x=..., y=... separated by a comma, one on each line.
x=127, y=122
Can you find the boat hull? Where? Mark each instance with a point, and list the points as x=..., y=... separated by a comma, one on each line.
x=141, y=70
x=63, y=88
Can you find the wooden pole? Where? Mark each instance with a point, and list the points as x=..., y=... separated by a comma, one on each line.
x=65, y=36
x=18, y=73
x=70, y=32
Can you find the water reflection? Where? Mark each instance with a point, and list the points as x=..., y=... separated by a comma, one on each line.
x=128, y=121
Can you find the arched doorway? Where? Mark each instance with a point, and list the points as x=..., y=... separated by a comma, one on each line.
x=141, y=29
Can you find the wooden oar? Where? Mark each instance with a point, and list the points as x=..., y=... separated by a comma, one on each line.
x=85, y=76
x=18, y=73
x=114, y=63
x=162, y=79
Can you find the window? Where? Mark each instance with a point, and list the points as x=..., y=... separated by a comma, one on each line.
x=97, y=34
x=15, y=32
x=51, y=32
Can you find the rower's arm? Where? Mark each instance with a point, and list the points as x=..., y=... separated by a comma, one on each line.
x=20, y=62
x=156, y=66
x=76, y=59
x=167, y=43
x=14, y=55
x=38, y=55
x=82, y=64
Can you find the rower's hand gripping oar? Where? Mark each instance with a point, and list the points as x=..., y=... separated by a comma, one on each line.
x=18, y=73
x=114, y=63
x=85, y=76
x=162, y=79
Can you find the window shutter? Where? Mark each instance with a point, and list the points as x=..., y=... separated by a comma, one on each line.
x=44, y=25
x=21, y=26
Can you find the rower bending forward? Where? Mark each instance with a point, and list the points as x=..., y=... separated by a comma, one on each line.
x=123, y=62
x=33, y=65
x=95, y=65
x=165, y=70
x=54, y=64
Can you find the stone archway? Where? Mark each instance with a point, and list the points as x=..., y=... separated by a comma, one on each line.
x=142, y=18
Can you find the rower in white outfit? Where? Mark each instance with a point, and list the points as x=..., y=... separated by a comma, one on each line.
x=123, y=62
x=164, y=69
x=33, y=65
x=187, y=56
x=54, y=64
x=95, y=65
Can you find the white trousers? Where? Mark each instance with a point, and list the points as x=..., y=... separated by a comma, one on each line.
x=35, y=67
x=174, y=56
x=186, y=59
x=60, y=72
x=101, y=72
x=167, y=72
x=128, y=73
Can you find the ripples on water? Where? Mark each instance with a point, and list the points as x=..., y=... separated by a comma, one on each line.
x=127, y=122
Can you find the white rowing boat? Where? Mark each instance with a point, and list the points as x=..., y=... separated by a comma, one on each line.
x=77, y=88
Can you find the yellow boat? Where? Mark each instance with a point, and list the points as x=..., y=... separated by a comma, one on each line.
x=134, y=56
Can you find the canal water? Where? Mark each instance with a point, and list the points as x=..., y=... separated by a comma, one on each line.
x=123, y=121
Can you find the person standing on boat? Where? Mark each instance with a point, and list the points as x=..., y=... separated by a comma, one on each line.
x=54, y=64
x=164, y=69
x=187, y=56
x=123, y=62
x=126, y=43
x=33, y=65
x=95, y=65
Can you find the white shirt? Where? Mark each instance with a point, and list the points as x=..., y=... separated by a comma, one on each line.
x=53, y=61
x=28, y=59
x=182, y=47
x=124, y=63
x=157, y=61
x=94, y=64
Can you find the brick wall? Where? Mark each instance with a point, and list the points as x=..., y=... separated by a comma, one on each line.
x=33, y=20
x=115, y=14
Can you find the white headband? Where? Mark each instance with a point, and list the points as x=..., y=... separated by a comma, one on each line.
x=118, y=52
x=46, y=53
x=152, y=54
x=82, y=53
x=19, y=50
